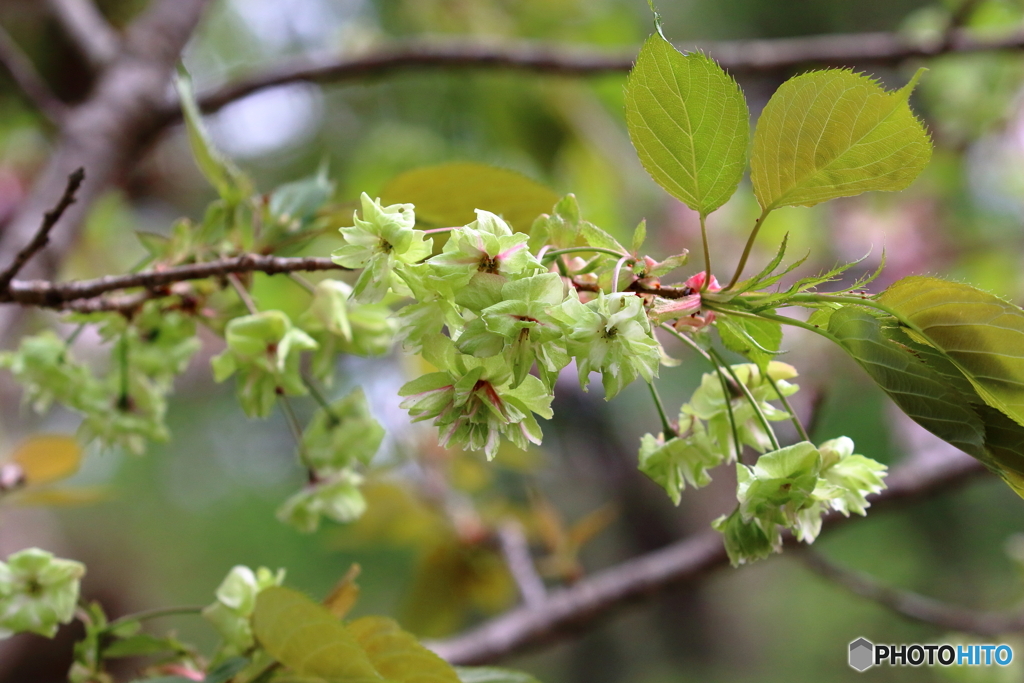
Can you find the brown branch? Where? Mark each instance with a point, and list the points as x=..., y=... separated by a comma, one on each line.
x=914, y=606
x=42, y=236
x=24, y=74
x=103, y=134
x=83, y=23
x=570, y=609
x=739, y=57
x=516, y=550
x=58, y=295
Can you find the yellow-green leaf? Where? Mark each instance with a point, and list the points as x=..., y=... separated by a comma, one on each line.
x=835, y=133
x=932, y=391
x=305, y=637
x=397, y=655
x=689, y=123
x=48, y=458
x=448, y=194
x=918, y=389
x=980, y=333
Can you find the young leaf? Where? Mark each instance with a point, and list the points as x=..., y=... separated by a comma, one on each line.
x=981, y=334
x=231, y=184
x=305, y=637
x=757, y=339
x=397, y=655
x=448, y=194
x=689, y=123
x=639, y=236
x=835, y=133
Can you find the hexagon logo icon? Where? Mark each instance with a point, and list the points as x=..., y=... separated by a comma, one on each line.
x=862, y=654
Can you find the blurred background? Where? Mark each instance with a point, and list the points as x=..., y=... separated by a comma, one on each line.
x=163, y=529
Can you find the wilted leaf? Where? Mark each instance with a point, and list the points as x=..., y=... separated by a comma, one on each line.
x=689, y=123
x=345, y=593
x=397, y=655
x=306, y=637
x=835, y=133
x=48, y=458
x=448, y=194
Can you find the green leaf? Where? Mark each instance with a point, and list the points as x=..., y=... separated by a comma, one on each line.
x=226, y=670
x=306, y=637
x=231, y=184
x=397, y=655
x=981, y=334
x=488, y=674
x=448, y=194
x=919, y=390
x=138, y=645
x=639, y=236
x=596, y=237
x=835, y=133
x=757, y=339
x=689, y=123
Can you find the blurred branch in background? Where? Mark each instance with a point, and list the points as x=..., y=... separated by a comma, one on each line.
x=914, y=606
x=81, y=20
x=922, y=475
x=24, y=73
x=103, y=134
x=739, y=57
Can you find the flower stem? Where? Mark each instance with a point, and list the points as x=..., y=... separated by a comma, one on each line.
x=302, y=282
x=242, y=293
x=789, y=409
x=319, y=397
x=746, y=249
x=146, y=615
x=727, y=395
x=765, y=424
x=665, y=424
x=296, y=429
x=707, y=252
x=689, y=342
x=615, y=274
x=548, y=257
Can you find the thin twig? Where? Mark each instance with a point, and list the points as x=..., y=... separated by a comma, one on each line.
x=913, y=605
x=57, y=295
x=748, y=56
x=42, y=236
x=516, y=550
x=21, y=69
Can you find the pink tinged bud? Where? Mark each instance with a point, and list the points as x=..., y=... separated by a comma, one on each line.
x=697, y=282
x=670, y=308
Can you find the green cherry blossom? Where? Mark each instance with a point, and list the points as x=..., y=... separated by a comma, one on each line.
x=38, y=592
x=610, y=335
x=264, y=350
x=381, y=243
x=231, y=613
